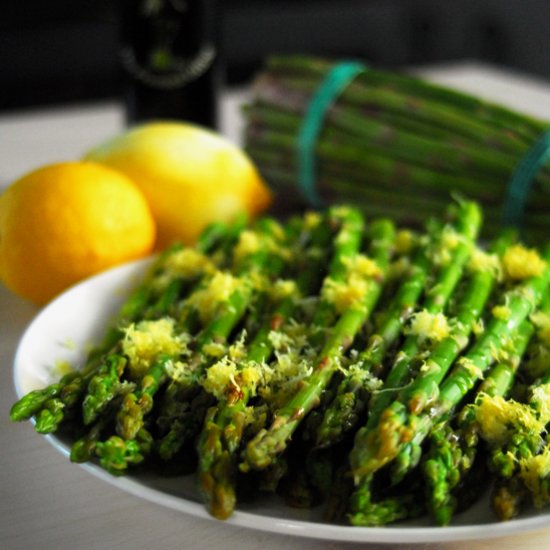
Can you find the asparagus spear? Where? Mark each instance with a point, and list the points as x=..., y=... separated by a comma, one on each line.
x=116, y=453
x=398, y=428
x=177, y=413
x=139, y=403
x=268, y=444
x=484, y=110
x=517, y=451
x=345, y=410
x=350, y=222
x=453, y=450
x=346, y=245
x=223, y=430
x=103, y=387
x=467, y=224
x=424, y=389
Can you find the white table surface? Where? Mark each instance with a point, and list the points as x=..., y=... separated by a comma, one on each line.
x=48, y=503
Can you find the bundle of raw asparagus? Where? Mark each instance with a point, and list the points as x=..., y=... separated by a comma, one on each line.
x=394, y=145
x=377, y=370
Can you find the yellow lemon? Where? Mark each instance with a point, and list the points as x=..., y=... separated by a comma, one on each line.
x=191, y=176
x=67, y=221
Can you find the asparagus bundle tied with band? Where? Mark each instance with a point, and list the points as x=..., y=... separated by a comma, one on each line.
x=334, y=358
x=395, y=145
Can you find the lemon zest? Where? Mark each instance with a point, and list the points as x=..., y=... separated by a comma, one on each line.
x=217, y=290
x=520, y=262
x=143, y=342
x=482, y=261
x=501, y=312
x=429, y=326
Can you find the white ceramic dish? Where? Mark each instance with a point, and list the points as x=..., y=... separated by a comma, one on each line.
x=64, y=330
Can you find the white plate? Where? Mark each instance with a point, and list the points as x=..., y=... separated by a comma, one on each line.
x=65, y=329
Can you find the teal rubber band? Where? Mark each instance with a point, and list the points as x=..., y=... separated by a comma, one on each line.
x=522, y=181
x=335, y=82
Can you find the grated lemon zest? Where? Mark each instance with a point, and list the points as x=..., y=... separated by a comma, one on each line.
x=214, y=349
x=186, y=263
x=249, y=243
x=220, y=376
x=533, y=471
x=179, y=371
x=350, y=293
x=481, y=261
x=145, y=341
x=344, y=295
x=502, y=419
x=471, y=367
x=362, y=266
x=429, y=326
x=521, y=263
x=283, y=288
x=501, y=312
x=449, y=239
x=217, y=290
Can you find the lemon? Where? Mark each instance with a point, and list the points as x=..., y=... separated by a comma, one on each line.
x=191, y=176
x=64, y=222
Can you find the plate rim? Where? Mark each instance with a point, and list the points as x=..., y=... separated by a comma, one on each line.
x=260, y=522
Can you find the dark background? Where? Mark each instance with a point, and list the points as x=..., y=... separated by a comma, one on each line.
x=59, y=51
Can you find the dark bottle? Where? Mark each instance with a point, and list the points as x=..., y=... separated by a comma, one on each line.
x=169, y=60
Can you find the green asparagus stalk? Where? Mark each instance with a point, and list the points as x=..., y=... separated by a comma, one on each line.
x=397, y=428
x=343, y=413
x=136, y=405
x=225, y=423
x=399, y=434
x=346, y=245
x=424, y=389
x=175, y=411
x=453, y=450
x=84, y=448
x=104, y=386
x=268, y=444
x=466, y=228
x=484, y=110
x=116, y=453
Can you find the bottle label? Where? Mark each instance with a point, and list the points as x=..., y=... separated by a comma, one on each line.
x=167, y=43
x=182, y=70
